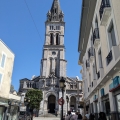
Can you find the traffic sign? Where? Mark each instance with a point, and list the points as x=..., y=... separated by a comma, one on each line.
x=61, y=101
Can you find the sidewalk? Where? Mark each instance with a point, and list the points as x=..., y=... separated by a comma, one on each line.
x=45, y=118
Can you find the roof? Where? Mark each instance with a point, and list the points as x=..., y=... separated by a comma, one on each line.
x=55, y=14
x=6, y=46
x=88, y=8
x=56, y=5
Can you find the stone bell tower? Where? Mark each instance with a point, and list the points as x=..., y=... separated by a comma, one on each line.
x=53, y=59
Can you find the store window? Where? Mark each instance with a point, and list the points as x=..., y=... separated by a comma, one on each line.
x=107, y=108
x=118, y=102
x=1, y=113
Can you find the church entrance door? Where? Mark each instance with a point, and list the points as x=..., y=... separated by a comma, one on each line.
x=51, y=103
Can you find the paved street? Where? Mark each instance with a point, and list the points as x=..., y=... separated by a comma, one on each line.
x=45, y=118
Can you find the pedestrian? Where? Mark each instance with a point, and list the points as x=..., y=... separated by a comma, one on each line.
x=75, y=117
x=79, y=116
x=69, y=116
x=91, y=117
x=102, y=116
x=87, y=115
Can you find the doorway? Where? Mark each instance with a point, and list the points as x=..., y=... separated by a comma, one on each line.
x=51, y=103
x=73, y=103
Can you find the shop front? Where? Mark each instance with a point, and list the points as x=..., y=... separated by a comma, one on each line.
x=106, y=106
x=13, y=110
x=114, y=88
x=118, y=105
x=3, y=108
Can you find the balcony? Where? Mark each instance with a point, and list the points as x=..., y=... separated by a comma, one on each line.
x=98, y=74
x=96, y=38
x=91, y=54
x=115, y=84
x=109, y=58
x=87, y=65
x=95, y=98
x=105, y=11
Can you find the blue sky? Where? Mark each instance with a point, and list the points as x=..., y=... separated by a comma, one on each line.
x=18, y=31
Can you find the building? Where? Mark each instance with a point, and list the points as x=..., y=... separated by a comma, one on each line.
x=14, y=103
x=53, y=66
x=100, y=56
x=6, y=67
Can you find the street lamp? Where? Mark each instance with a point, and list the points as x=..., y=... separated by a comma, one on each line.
x=62, y=86
x=67, y=99
x=26, y=102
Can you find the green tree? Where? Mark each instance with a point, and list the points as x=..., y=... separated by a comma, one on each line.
x=35, y=97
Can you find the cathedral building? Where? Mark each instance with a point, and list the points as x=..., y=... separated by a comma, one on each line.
x=53, y=67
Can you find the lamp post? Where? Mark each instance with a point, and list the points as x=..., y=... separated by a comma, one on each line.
x=67, y=99
x=26, y=102
x=62, y=86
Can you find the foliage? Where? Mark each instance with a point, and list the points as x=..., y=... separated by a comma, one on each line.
x=35, y=97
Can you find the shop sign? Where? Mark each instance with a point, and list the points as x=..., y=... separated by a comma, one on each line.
x=23, y=108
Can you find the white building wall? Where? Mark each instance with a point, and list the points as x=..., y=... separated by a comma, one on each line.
x=7, y=70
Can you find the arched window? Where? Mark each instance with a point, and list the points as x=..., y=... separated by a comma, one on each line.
x=57, y=39
x=51, y=39
x=55, y=11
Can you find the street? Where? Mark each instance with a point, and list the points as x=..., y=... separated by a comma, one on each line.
x=45, y=118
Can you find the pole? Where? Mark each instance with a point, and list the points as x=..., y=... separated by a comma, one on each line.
x=67, y=107
x=62, y=106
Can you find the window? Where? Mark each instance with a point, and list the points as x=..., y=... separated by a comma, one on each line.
x=55, y=11
x=51, y=39
x=96, y=22
x=50, y=65
x=100, y=59
x=0, y=77
x=3, y=61
x=50, y=27
x=58, y=27
x=57, y=39
x=111, y=36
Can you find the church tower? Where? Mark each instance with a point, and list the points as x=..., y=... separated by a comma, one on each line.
x=53, y=66
x=53, y=59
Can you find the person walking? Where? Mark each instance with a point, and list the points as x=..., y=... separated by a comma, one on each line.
x=79, y=116
x=91, y=117
x=75, y=117
x=102, y=116
x=69, y=116
x=87, y=115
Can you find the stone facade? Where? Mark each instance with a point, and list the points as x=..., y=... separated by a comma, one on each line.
x=53, y=67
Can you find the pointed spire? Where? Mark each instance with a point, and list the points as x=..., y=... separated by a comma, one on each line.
x=55, y=14
x=55, y=5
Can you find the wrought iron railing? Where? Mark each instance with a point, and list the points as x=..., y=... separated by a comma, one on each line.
x=90, y=52
x=96, y=34
x=87, y=64
x=109, y=57
x=104, y=4
x=98, y=74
